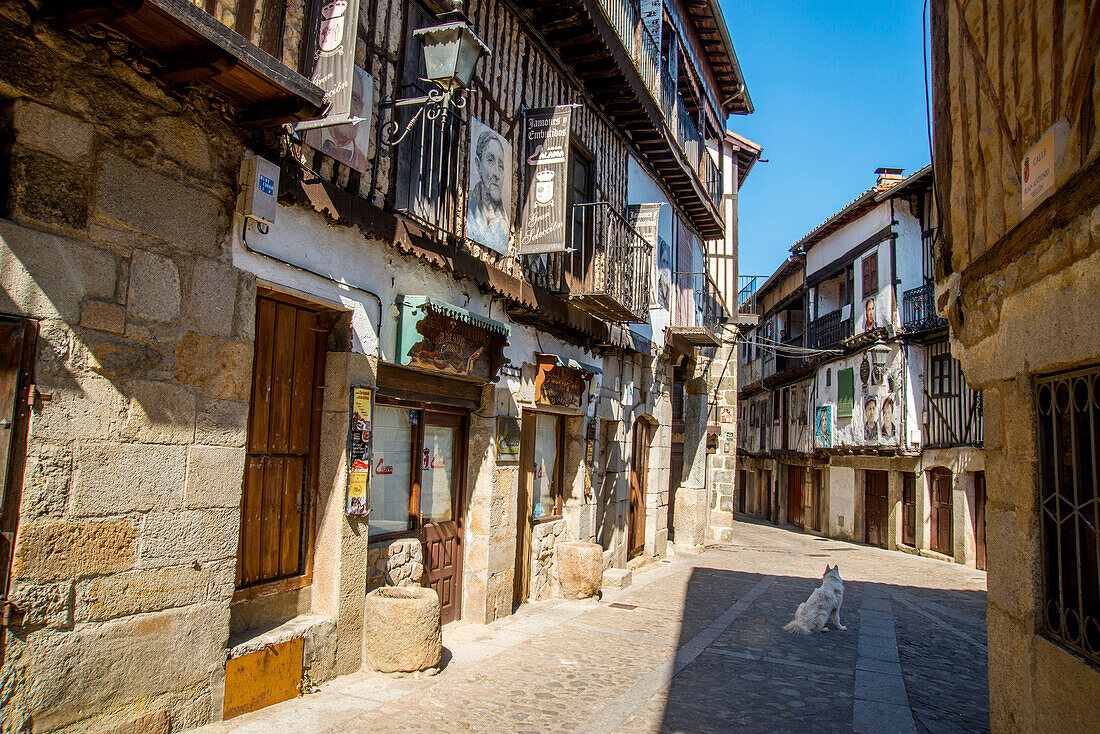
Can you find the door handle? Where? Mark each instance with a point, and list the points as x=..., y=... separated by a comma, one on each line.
x=5, y=423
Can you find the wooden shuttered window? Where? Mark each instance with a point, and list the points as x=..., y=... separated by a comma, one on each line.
x=870, y=275
x=846, y=392
x=283, y=427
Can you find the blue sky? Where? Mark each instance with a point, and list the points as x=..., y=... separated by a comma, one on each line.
x=838, y=92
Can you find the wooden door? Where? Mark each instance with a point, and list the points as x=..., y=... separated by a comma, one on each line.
x=283, y=430
x=675, y=477
x=442, y=472
x=521, y=580
x=979, y=518
x=795, y=478
x=639, y=465
x=876, y=508
x=909, y=509
x=766, y=493
x=815, y=501
x=740, y=490
x=942, y=512
x=17, y=345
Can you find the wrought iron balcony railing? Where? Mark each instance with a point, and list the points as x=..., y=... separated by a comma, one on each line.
x=626, y=17
x=746, y=296
x=607, y=273
x=919, y=309
x=829, y=330
x=711, y=176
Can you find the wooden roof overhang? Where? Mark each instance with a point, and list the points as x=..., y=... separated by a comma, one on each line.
x=711, y=28
x=524, y=302
x=191, y=45
x=581, y=34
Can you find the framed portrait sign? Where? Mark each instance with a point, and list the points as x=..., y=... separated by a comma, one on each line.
x=489, y=202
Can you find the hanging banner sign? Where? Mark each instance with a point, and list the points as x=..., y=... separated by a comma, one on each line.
x=359, y=451
x=644, y=218
x=546, y=156
x=332, y=38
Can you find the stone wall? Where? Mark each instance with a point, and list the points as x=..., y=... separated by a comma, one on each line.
x=114, y=218
x=543, y=579
x=395, y=563
x=1018, y=286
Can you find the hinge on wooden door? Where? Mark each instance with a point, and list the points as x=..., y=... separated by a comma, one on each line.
x=34, y=394
x=12, y=616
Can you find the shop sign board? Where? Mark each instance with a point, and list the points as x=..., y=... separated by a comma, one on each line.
x=559, y=386
x=546, y=164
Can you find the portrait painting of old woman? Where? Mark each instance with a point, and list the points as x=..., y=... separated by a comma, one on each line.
x=490, y=201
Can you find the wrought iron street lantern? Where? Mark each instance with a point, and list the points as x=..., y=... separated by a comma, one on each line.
x=451, y=52
x=880, y=350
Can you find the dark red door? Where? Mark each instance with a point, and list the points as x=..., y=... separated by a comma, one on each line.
x=942, y=512
x=979, y=518
x=442, y=469
x=795, y=478
x=876, y=508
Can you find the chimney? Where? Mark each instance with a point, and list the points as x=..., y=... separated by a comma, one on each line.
x=887, y=177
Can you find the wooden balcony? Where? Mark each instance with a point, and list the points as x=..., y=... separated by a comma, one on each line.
x=829, y=331
x=192, y=45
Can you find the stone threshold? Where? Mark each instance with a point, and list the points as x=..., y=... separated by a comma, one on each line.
x=306, y=625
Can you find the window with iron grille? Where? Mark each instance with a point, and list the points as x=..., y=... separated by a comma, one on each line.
x=1068, y=407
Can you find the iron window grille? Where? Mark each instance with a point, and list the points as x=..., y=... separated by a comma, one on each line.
x=1068, y=426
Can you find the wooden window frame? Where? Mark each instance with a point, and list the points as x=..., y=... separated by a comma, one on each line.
x=869, y=285
x=941, y=374
x=311, y=489
x=558, y=480
x=443, y=415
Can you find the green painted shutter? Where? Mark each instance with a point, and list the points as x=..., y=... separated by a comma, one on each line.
x=846, y=392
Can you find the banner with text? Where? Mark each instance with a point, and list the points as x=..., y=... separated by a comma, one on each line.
x=332, y=38
x=546, y=152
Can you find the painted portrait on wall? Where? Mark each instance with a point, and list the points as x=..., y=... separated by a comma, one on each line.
x=886, y=418
x=823, y=427
x=488, y=207
x=664, y=272
x=348, y=143
x=869, y=314
x=870, y=418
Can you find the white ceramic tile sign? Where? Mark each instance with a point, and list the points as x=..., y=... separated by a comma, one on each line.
x=1038, y=168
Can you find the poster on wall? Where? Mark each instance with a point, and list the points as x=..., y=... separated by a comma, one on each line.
x=348, y=142
x=870, y=418
x=507, y=438
x=870, y=312
x=359, y=451
x=490, y=198
x=664, y=273
x=546, y=159
x=332, y=35
x=887, y=422
x=823, y=427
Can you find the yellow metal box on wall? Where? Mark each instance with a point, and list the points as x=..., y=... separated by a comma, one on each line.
x=262, y=678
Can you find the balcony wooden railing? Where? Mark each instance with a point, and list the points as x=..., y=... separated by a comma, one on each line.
x=829, y=330
x=607, y=273
x=919, y=309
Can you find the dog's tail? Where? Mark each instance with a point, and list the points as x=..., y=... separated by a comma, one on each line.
x=795, y=628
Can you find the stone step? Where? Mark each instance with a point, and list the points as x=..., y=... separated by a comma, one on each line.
x=617, y=578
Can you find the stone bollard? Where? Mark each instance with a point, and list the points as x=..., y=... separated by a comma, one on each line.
x=580, y=568
x=402, y=629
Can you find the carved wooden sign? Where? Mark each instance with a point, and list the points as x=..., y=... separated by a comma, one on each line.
x=448, y=345
x=559, y=385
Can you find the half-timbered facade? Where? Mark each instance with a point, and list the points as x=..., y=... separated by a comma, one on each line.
x=857, y=421
x=266, y=360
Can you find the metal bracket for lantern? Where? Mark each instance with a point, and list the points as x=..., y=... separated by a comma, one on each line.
x=451, y=52
x=879, y=352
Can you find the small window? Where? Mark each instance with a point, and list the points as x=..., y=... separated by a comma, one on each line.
x=775, y=406
x=870, y=274
x=941, y=377
x=392, y=481
x=546, y=479
x=1068, y=411
x=828, y=376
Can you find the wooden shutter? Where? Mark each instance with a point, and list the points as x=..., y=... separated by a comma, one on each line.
x=870, y=275
x=846, y=392
x=685, y=302
x=283, y=423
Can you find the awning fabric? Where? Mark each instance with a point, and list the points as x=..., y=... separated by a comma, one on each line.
x=568, y=362
x=455, y=312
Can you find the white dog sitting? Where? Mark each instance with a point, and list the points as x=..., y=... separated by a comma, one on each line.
x=813, y=614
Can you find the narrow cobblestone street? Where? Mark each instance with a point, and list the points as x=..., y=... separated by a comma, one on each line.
x=696, y=645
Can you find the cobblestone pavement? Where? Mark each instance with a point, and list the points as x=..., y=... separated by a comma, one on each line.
x=696, y=645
